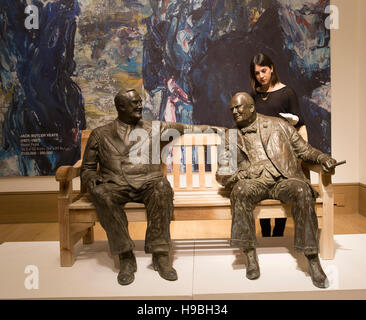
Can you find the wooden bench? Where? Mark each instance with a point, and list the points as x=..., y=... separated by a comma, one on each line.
x=197, y=196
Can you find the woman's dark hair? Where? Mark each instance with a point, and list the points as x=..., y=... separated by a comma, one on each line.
x=264, y=61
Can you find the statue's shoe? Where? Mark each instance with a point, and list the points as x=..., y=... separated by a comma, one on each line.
x=162, y=264
x=128, y=267
x=252, y=265
x=317, y=274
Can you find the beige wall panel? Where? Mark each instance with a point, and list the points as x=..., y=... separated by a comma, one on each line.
x=345, y=75
x=362, y=83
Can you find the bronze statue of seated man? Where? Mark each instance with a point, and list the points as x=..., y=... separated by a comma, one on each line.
x=267, y=167
x=120, y=180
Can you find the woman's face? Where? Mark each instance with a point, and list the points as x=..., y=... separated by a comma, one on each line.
x=263, y=74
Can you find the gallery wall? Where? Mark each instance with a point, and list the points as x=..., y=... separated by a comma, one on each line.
x=362, y=85
x=348, y=103
x=346, y=89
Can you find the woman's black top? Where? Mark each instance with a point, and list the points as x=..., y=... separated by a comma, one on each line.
x=283, y=100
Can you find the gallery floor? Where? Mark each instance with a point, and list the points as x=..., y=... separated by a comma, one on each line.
x=207, y=269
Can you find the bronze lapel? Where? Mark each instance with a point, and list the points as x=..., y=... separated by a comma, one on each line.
x=264, y=128
x=119, y=139
x=240, y=142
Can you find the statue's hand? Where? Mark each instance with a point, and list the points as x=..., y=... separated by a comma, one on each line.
x=241, y=175
x=94, y=181
x=217, y=129
x=327, y=163
x=209, y=129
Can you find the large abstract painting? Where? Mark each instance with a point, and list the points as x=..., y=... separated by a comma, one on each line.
x=186, y=57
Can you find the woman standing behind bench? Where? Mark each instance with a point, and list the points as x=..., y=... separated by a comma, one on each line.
x=273, y=98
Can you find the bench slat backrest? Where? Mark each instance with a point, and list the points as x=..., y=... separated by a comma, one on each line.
x=188, y=147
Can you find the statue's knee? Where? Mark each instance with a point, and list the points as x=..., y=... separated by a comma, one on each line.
x=163, y=187
x=99, y=193
x=303, y=192
x=240, y=191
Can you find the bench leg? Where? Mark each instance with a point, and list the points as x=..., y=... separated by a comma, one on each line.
x=67, y=257
x=65, y=237
x=327, y=232
x=326, y=242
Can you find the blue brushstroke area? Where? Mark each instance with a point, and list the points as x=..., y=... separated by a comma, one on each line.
x=215, y=63
x=45, y=102
x=319, y=121
x=184, y=112
x=131, y=67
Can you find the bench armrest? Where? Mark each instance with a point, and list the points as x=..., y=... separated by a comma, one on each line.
x=316, y=168
x=67, y=173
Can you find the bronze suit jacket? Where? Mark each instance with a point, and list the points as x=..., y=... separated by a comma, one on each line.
x=110, y=146
x=282, y=144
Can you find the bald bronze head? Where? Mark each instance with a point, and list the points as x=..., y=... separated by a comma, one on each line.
x=243, y=109
x=129, y=106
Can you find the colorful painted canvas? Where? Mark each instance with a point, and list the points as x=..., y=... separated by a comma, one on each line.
x=186, y=57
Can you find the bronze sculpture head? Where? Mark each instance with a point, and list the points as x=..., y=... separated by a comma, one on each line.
x=243, y=109
x=129, y=106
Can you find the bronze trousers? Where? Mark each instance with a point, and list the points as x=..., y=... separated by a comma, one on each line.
x=247, y=193
x=157, y=195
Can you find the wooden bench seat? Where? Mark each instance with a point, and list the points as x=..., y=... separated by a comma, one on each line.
x=200, y=197
x=186, y=204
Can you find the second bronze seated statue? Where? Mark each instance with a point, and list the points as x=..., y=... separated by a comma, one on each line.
x=267, y=154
